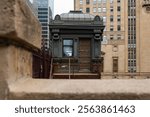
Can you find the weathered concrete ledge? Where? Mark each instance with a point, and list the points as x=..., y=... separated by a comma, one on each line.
x=18, y=24
x=80, y=89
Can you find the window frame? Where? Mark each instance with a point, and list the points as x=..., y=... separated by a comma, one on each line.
x=63, y=46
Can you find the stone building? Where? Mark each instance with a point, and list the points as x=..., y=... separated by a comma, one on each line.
x=126, y=36
x=76, y=40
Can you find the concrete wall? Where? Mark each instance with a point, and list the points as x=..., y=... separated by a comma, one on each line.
x=20, y=35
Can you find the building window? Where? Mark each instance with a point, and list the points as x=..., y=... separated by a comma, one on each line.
x=42, y=9
x=104, y=1
x=67, y=47
x=104, y=38
x=111, y=28
x=132, y=36
x=111, y=37
x=94, y=10
x=118, y=1
x=119, y=28
x=111, y=18
x=81, y=9
x=119, y=18
x=43, y=16
x=81, y=1
x=44, y=32
x=44, y=24
x=99, y=1
x=111, y=1
x=104, y=9
x=104, y=19
x=87, y=10
x=111, y=9
x=44, y=28
x=87, y=1
x=118, y=37
x=94, y=1
x=44, y=36
x=43, y=20
x=115, y=64
x=44, y=13
x=118, y=8
x=99, y=10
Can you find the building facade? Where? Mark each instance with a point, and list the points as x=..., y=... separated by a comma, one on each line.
x=126, y=36
x=45, y=10
x=76, y=39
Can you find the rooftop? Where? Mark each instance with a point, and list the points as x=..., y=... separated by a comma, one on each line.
x=77, y=16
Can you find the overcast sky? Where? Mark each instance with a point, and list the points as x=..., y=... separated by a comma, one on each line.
x=63, y=6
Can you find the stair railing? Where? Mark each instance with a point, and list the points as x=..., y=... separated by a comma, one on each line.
x=51, y=69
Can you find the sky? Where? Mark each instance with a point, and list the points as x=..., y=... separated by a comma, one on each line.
x=63, y=6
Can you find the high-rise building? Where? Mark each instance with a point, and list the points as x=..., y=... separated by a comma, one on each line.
x=126, y=37
x=45, y=9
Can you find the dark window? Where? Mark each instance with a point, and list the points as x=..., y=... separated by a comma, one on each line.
x=42, y=12
x=119, y=18
x=45, y=36
x=87, y=1
x=44, y=28
x=111, y=9
x=118, y=27
x=44, y=32
x=42, y=16
x=67, y=47
x=111, y=28
x=42, y=8
x=115, y=64
x=118, y=1
x=111, y=37
x=41, y=20
x=118, y=9
x=111, y=18
x=44, y=24
x=87, y=10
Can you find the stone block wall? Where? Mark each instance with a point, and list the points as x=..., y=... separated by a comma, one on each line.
x=18, y=23
x=20, y=36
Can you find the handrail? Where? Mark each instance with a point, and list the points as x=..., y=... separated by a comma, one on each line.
x=69, y=67
x=51, y=69
x=99, y=70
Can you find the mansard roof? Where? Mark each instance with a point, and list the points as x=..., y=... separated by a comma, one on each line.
x=77, y=16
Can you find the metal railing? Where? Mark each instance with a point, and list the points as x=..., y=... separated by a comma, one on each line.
x=41, y=65
x=51, y=69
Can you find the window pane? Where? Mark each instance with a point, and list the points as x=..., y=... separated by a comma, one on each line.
x=68, y=42
x=68, y=51
x=67, y=47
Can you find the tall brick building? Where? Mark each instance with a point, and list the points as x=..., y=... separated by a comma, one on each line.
x=126, y=38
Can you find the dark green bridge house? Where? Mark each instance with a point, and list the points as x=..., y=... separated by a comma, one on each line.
x=76, y=45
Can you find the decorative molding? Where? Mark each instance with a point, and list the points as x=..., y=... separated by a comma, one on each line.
x=146, y=5
x=115, y=48
x=116, y=42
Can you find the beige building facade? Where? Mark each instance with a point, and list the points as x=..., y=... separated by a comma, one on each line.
x=126, y=37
